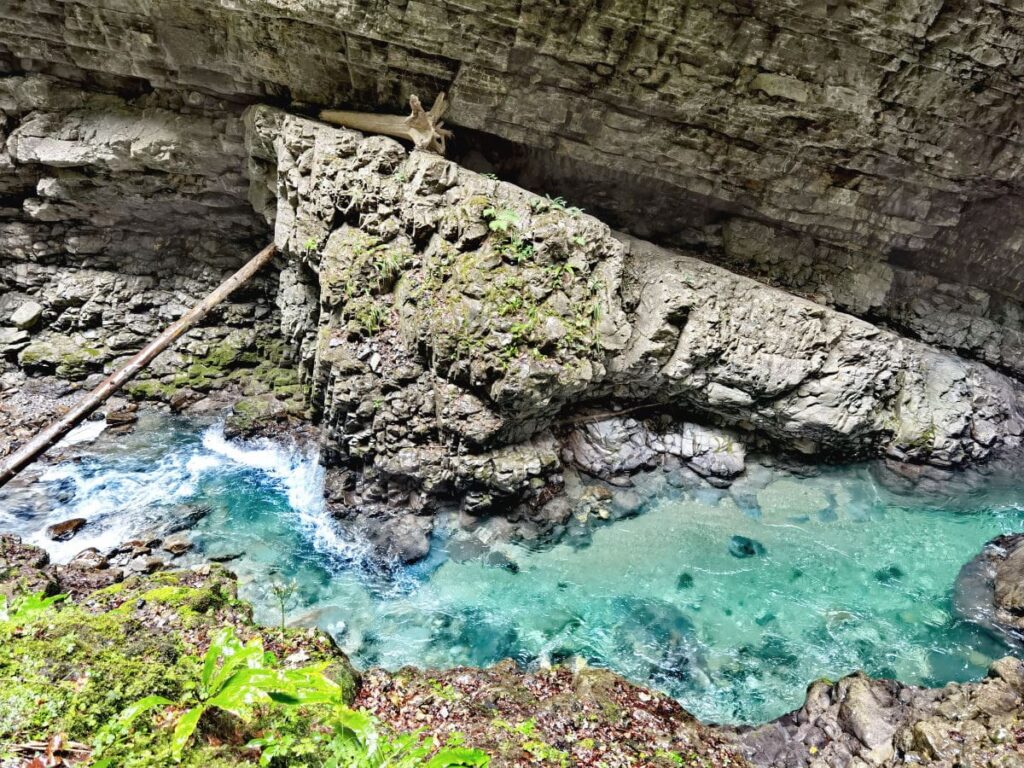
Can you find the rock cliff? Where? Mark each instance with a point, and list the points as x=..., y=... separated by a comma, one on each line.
x=858, y=151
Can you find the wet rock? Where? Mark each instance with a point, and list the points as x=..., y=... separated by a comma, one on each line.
x=126, y=413
x=743, y=547
x=186, y=517
x=611, y=446
x=145, y=564
x=90, y=558
x=176, y=545
x=225, y=557
x=65, y=530
x=257, y=416
x=406, y=538
x=886, y=723
x=989, y=590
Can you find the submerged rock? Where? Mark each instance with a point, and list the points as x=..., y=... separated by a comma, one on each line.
x=406, y=538
x=186, y=517
x=743, y=547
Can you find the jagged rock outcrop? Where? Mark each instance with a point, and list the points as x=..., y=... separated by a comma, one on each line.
x=116, y=215
x=459, y=317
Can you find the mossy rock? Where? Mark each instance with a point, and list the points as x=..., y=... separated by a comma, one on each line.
x=252, y=415
x=63, y=356
x=150, y=389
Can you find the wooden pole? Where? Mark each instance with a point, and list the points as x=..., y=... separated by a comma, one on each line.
x=424, y=129
x=53, y=433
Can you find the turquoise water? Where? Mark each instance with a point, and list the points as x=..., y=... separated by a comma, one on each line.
x=731, y=601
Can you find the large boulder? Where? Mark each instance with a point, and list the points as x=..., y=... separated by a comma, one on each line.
x=461, y=320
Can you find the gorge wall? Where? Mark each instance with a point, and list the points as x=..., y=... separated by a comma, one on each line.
x=858, y=151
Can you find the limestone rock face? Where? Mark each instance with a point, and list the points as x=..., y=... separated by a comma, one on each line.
x=828, y=147
x=118, y=214
x=453, y=319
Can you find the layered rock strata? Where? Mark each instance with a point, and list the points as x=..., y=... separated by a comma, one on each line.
x=847, y=150
x=116, y=215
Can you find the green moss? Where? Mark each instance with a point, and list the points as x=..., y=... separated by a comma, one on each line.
x=72, y=670
x=150, y=389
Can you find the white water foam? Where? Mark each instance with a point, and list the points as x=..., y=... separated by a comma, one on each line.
x=301, y=476
x=123, y=497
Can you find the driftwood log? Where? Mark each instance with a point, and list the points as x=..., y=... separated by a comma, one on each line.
x=423, y=128
x=53, y=433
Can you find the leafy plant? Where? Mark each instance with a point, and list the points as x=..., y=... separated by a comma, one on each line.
x=355, y=741
x=558, y=203
x=234, y=678
x=500, y=219
x=283, y=592
x=371, y=317
x=22, y=610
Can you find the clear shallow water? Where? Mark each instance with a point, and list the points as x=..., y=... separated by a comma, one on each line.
x=841, y=574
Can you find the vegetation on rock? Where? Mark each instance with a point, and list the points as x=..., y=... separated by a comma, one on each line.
x=169, y=669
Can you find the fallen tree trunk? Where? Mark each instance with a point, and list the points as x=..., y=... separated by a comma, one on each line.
x=424, y=129
x=53, y=433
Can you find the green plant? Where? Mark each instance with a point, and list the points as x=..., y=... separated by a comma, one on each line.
x=282, y=592
x=357, y=742
x=234, y=678
x=558, y=203
x=22, y=610
x=371, y=317
x=310, y=244
x=545, y=753
x=500, y=219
